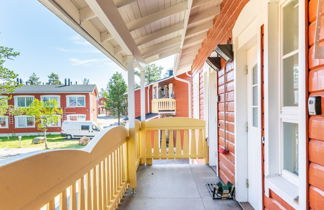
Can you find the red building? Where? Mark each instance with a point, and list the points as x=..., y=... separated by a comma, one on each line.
x=165, y=97
x=78, y=102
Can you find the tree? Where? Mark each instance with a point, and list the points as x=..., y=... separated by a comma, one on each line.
x=45, y=113
x=8, y=82
x=116, y=96
x=152, y=73
x=34, y=79
x=86, y=81
x=53, y=79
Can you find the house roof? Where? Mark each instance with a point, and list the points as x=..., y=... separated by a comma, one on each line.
x=56, y=89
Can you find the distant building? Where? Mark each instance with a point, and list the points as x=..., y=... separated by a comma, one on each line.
x=78, y=102
x=166, y=97
x=101, y=106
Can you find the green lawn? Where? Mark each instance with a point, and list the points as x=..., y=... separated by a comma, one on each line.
x=54, y=142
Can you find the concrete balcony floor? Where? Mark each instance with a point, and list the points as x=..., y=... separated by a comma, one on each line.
x=175, y=185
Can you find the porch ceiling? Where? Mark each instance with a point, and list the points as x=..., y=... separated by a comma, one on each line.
x=147, y=29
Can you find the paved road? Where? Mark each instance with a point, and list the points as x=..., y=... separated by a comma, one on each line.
x=13, y=152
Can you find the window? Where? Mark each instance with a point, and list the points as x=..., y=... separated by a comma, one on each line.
x=85, y=127
x=55, y=124
x=23, y=101
x=255, y=97
x=76, y=117
x=289, y=92
x=3, y=122
x=76, y=101
x=24, y=122
x=51, y=97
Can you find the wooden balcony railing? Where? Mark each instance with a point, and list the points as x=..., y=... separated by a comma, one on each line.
x=163, y=104
x=173, y=138
x=97, y=176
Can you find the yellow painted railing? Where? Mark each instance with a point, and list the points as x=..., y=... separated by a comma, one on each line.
x=163, y=104
x=93, y=178
x=173, y=138
x=97, y=176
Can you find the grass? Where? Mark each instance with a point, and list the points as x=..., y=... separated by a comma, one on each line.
x=53, y=142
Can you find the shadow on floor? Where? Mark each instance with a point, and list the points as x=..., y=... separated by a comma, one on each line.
x=175, y=185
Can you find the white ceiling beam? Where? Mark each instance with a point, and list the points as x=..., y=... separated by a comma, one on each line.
x=163, y=54
x=86, y=14
x=158, y=34
x=143, y=21
x=191, y=49
x=201, y=28
x=194, y=40
x=122, y=3
x=154, y=49
x=199, y=3
x=110, y=17
x=204, y=15
x=105, y=36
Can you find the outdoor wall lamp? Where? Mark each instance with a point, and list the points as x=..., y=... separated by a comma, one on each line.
x=214, y=63
x=225, y=51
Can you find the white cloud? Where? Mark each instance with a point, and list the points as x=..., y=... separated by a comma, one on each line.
x=79, y=62
x=77, y=39
x=67, y=50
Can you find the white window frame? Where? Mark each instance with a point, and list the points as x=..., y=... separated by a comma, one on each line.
x=76, y=106
x=59, y=124
x=52, y=96
x=16, y=121
x=288, y=114
x=7, y=122
x=76, y=115
x=21, y=96
x=283, y=184
x=196, y=96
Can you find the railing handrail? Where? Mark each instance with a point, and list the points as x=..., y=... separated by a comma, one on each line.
x=173, y=123
x=31, y=181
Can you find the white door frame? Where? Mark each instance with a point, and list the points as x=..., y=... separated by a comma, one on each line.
x=246, y=33
x=210, y=113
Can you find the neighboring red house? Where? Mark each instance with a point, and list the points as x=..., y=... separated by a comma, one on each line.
x=101, y=106
x=78, y=102
x=165, y=97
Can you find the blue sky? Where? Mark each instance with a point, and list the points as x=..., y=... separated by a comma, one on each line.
x=48, y=45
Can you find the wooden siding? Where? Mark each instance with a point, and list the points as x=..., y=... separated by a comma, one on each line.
x=316, y=123
x=225, y=108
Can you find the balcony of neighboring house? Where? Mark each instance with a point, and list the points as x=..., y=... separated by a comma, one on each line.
x=159, y=164
x=163, y=102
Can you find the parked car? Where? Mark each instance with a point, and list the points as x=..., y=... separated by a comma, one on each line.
x=77, y=129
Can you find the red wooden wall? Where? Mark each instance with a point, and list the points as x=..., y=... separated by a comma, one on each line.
x=316, y=123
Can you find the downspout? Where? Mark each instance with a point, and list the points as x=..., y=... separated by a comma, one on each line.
x=189, y=90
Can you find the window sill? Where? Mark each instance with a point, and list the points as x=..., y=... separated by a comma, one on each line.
x=284, y=189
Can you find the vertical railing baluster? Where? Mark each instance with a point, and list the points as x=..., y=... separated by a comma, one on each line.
x=51, y=204
x=82, y=193
x=100, y=194
x=63, y=201
x=193, y=144
x=156, y=145
x=200, y=144
x=95, y=188
x=186, y=144
x=105, y=188
x=89, y=192
x=178, y=144
x=171, y=145
x=148, y=148
x=73, y=196
x=163, y=146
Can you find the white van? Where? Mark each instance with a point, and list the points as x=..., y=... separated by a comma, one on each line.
x=78, y=129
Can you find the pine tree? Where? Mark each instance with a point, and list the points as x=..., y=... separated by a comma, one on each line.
x=116, y=96
x=34, y=79
x=53, y=79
